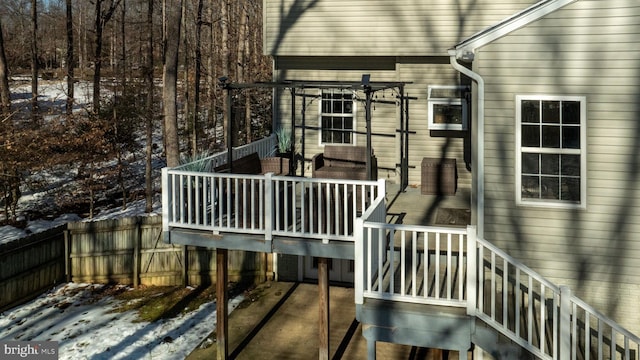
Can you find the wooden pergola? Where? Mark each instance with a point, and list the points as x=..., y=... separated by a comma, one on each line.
x=369, y=88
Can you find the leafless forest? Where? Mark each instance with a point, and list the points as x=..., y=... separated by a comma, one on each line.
x=154, y=70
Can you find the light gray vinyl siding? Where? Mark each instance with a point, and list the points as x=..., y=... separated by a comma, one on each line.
x=377, y=27
x=425, y=72
x=590, y=48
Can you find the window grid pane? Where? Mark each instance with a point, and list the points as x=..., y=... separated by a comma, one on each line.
x=337, y=117
x=550, y=150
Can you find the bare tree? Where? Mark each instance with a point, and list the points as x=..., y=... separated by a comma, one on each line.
x=171, y=39
x=102, y=17
x=186, y=52
x=5, y=93
x=123, y=46
x=69, y=59
x=148, y=77
x=241, y=61
x=34, y=58
x=197, y=77
x=224, y=15
x=82, y=37
x=211, y=72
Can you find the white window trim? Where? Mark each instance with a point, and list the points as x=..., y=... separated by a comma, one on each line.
x=355, y=124
x=446, y=101
x=582, y=151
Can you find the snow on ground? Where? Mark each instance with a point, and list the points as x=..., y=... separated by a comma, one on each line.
x=71, y=314
x=86, y=327
x=9, y=233
x=52, y=97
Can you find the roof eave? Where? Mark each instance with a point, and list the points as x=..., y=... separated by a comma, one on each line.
x=466, y=49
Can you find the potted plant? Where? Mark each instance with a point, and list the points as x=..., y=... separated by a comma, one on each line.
x=280, y=163
x=284, y=142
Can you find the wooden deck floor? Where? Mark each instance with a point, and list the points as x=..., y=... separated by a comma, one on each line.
x=413, y=208
x=432, y=278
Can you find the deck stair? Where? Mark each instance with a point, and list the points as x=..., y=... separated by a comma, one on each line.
x=459, y=291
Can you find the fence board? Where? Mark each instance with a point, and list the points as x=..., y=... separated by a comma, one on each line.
x=127, y=251
x=31, y=266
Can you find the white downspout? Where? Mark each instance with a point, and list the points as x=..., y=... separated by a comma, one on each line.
x=479, y=168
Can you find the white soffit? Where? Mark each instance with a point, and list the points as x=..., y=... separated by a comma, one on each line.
x=465, y=49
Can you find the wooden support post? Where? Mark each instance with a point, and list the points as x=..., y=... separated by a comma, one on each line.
x=222, y=325
x=323, y=320
x=185, y=266
x=137, y=254
x=67, y=255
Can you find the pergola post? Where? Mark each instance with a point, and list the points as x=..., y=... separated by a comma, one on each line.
x=367, y=108
x=404, y=141
x=227, y=87
x=293, y=129
x=304, y=126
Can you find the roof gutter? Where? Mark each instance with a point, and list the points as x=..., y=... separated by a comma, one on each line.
x=466, y=51
x=478, y=161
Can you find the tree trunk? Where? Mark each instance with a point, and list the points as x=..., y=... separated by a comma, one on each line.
x=186, y=110
x=173, y=20
x=34, y=60
x=149, y=114
x=197, y=77
x=123, y=48
x=5, y=93
x=212, y=75
x=82, y=43
x=69, y=59
x=224, y=14
x=102, y=17
x=97, y=57
x=247, y=75
x=241, y=62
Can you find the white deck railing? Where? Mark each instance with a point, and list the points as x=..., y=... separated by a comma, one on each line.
x=516, y=301
x=451, y=267
x=395, y=262
x=265, y=204
x=264, y=147
x=590, y=329
x=415, y=264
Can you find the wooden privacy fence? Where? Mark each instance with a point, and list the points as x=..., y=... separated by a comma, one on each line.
x=126, y=251
x=31, y=265
x=131, y=251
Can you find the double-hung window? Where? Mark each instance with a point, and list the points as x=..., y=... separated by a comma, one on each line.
x=551, y=157
x=337, y=117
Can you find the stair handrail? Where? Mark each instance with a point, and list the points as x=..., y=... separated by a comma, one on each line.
x=564, y=310
x=577, y=305
x=503, y=326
